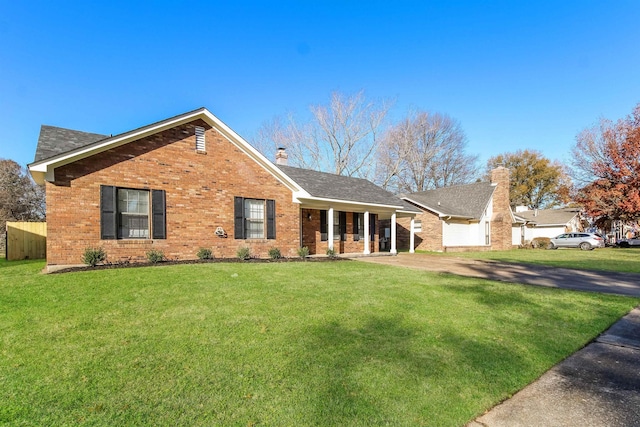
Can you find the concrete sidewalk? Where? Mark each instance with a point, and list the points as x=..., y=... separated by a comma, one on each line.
x=597, y=386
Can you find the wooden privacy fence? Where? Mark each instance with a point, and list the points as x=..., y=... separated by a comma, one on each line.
x=26, y=240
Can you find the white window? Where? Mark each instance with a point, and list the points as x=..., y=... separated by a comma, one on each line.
x=200, y=141
x=133, y=212
x=254, y=218
x=359, y=217
x=487, y=234
x=336, y=225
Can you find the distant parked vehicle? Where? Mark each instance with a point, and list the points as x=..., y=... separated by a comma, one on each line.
x=584, y=241
x=629, y=243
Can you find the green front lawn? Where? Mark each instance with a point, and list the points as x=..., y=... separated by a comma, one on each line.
x=606, y=259
x=336, y=343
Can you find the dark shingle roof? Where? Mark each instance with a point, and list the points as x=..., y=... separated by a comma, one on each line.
x=331, y=186
x=549, y=216
x=53, y=141
x=468, y=201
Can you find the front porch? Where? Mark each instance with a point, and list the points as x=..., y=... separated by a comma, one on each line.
x=347, y=232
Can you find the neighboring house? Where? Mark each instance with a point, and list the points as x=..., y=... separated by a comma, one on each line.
x=462, y=217
x=548, y=222
x=190, y=182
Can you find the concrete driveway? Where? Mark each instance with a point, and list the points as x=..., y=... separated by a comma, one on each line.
x=607, y=282
x=597, y=386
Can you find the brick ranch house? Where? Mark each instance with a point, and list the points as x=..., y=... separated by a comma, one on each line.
x=467, y=217
x=190, y=182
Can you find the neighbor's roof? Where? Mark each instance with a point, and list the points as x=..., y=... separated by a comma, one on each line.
x=467, y=201
x=54, y=140
x=322, y=185
x=550, y=217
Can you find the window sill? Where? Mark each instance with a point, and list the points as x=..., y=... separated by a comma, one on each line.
x=131, y=241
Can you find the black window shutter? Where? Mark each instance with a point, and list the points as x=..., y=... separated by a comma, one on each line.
x=372, y=227
x=323, y=225
x=271, y=219
x=108, y=212
x=158, y=214
x=238, y=224
x=342, y=217
x=356, y=227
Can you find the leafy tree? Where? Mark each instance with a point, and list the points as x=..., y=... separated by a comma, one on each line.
x=424, y=151
x=341, y=137
x=536, y=182
x=607, y=164
x=20, y=198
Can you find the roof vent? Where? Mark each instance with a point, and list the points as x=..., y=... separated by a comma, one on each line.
x=200, y=141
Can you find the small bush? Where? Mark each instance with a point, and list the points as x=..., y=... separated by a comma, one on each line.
x=243, y=253
x=331, y=253
x=274, y=253
x=155, y=256
x=541, y=243
x=204, y=253
x=93, y=256
x=303, y=252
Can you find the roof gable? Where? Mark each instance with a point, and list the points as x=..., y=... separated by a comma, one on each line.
x=55, y=153
x=462, y=201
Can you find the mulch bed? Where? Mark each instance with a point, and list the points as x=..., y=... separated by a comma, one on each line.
x=114, y=265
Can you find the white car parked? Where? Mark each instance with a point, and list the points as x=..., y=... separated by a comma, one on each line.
x=584, y=241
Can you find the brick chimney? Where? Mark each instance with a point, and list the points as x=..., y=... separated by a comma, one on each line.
x=501, y=219
x=282, y=156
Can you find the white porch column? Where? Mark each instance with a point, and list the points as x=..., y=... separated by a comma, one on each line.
x=412, y=236
x=366, y=251
x=393, y=234
x=330, y=228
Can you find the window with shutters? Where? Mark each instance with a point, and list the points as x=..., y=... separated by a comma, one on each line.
x=200, y=141
x=254, y=218
x=127, y=213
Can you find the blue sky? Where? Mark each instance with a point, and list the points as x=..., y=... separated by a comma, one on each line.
x=516, y=74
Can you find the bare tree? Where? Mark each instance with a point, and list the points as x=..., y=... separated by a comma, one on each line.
x=20, y=198
x=340, y=137
x=424, y=151
x=286, y=132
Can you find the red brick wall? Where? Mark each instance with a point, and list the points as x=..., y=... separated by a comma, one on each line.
x=501, y=219
x=429, y=239
x=200, y=190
